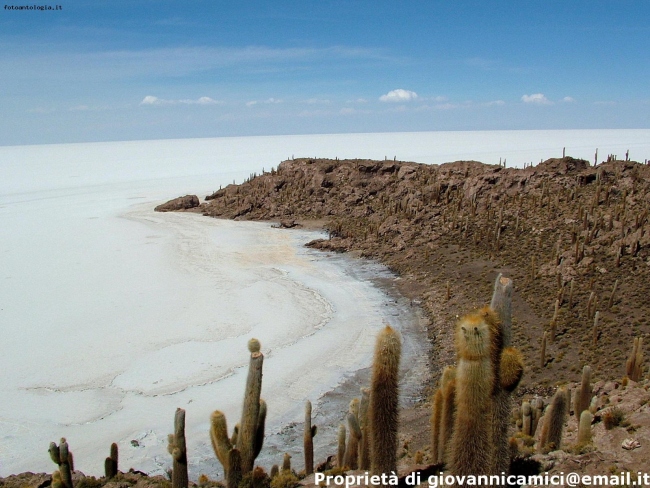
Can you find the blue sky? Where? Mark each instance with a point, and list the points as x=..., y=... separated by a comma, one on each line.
x=151, y=69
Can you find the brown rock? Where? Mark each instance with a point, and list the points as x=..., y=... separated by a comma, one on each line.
x=180, y=203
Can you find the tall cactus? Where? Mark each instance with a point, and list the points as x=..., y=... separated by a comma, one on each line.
x=178, y=449
x=340, y=458
x=471, y=444
x=308, y=440
x=448, y=412
x=508, y=370
x=583, y=395
x=634, y=364
x=354, y=436
x=364, y=445
x=110, y=464
x=553, y=424
x=61, y=456
x=248, y=440
x=436, y=417
x=384, y=399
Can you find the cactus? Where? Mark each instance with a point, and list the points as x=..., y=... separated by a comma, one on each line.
x=61, y=456
x=286, y=462
x=384, y=397
x=436, y=417
x=340, y=458
x=511, y=369
x=634, y=364
x=471, y=450
x=221, y=444
x=583, y=396
x=364, y=445
x=234, y=475
x=57, y=482
x=538, y=410
x=351, y=459
x=542, y=352
x=275, y=470
x=527, y=419
x=448, y=412
x=308, y=440
x=248, y=440
x=553, y=427
x=178, y=449
x=584, y=427
x=110, y=465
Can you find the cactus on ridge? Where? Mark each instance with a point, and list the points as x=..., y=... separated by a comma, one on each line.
x=248, y=440
x=110, y=464
x=61, y=455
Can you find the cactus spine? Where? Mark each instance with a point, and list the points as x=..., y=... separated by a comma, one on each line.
x=471, y=443
x=248, y=440
x=308, y=440
x=178, y=449
x=110, y=465
x=583, y=396
x=384, y=397
x=61, y=456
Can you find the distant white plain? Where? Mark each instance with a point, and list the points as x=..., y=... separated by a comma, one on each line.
x=111, y=315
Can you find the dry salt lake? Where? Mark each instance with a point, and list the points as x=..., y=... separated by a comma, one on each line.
x=111, y=315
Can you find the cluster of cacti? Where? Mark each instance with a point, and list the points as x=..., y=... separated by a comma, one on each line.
x=634, y=364
x=62, y=456
x=178, y=449
x=472, y=408
x=237, y=453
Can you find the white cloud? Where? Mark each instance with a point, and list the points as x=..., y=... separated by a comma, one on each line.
x=151, y=100
x=536, y=98
x=251, y=103
x=272, y=100
x=399, y=95
x=494, y=102
x=568, y=99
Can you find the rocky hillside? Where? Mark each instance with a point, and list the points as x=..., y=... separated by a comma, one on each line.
x=573, y=237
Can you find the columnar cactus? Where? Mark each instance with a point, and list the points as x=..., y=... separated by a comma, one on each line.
x=527, y=419
x=178, y=449
x=584, y=427
x=471, y=443
x=249, y=439
x=384, y=397
x=110, y=465
x=553, y=426
x=354, y=436
x=61, y=456
x=634, y=364
x=364, y=445
x=436, y=417
x=583, y=395
x=340, y=458
x=308, y=440
x=448, y=412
